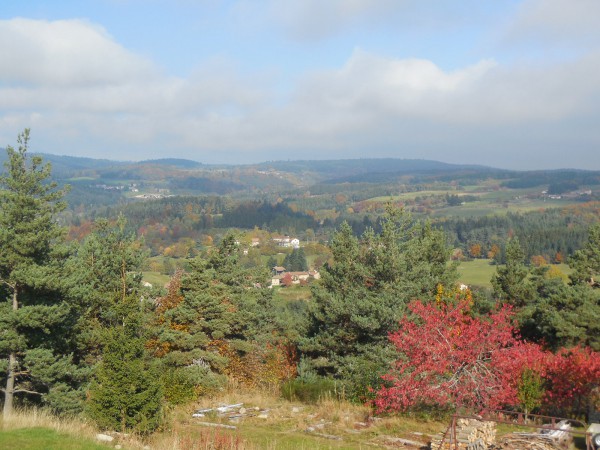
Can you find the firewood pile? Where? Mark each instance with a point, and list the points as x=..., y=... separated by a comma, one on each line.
x=471, y=434
x=543, y=440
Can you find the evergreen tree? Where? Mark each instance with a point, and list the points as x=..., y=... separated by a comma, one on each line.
x=296, y=261
x=510, y=282
x=220, y=311
x=271, y=262
x=586, y=262
x=560, y=315
x=33, y=352
x=363, y=294
x=126, y=395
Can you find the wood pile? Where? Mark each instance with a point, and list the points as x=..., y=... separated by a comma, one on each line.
x=545, y=439
x=471, y=434
x=528, y=442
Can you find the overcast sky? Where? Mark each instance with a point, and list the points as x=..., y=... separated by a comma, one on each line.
x=511, y=83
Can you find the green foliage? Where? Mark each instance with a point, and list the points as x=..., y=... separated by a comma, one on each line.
x=363, y=294
x=218, y=313
x=126, y=394
x=34, y=318
x=510, y=281
x=548, y=310
x=177, y=387
x=530, y=390
x=586, y=262
x=296, y=261
x=312, y=390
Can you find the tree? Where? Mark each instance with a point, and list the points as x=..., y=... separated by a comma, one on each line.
x=363, y=294
x=126, y=394
x=449, y=358
x=571, y=376
x=32, y=310
x=296, y=261
x=105, y=286
x=510, y=282
x=475, y=250
x=560, y=315
x=222, y=313
x=586, y=262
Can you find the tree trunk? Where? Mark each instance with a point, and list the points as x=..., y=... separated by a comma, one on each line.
x=9, y=392
x=10, y=385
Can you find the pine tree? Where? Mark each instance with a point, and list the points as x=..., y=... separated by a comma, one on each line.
x=363, y=294
x=510, y=282
x=32, y=349
x=126, y=395
x=586, y=262
x=104, y=276
x=219, y=313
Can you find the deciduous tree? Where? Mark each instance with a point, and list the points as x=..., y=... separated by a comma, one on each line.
x=449, y=358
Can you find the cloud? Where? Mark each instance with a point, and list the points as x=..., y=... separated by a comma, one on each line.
x=65, y=53
x=557, y=21
x=315, y=19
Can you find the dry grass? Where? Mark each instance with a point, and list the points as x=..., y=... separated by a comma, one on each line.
x=288, y=425
x=33, y=418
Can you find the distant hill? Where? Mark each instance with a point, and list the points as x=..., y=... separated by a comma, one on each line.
x=351, y=167
x=66, y=166
x=174, y=162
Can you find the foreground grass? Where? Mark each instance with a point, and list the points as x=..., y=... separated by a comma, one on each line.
x=330, y=424
x=44, y=438
x=36, y=429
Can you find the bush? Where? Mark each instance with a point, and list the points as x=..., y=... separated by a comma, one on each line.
x=178, y=388
x=310, y=391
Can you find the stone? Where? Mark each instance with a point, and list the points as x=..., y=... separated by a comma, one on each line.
x=104, y=438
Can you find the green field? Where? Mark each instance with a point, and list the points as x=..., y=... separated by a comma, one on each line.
x=156, y=279
x=479, y=272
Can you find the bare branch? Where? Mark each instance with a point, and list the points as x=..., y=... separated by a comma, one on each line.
x=17, y=391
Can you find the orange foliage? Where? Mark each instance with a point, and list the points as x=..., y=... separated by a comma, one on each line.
x=264, y=366
x=475, y=250
x=538, y=261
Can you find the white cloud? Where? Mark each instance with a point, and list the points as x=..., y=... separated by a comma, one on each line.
x=65, y=53
x=557, y=21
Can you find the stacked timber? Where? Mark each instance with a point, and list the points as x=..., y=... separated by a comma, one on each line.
x=471, y=434
x=545, y=439
x=521, y=441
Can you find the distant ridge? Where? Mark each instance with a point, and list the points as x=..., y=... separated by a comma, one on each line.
x=175, y=162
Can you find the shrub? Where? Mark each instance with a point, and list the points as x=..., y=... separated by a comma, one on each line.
x=310, y=391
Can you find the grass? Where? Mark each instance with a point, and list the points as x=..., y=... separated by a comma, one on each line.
x=37, y=429
x=44, y=438
x=477, y=272
x=295, y=292
x=288, y=423
x=156, y=279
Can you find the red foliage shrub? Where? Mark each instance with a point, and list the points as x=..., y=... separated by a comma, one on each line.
x=571, y=375
x=450, y=358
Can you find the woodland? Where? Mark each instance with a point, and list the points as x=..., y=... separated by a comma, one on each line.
x=388, y=323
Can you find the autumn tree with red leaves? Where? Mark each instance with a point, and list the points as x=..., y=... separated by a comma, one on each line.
x=571, y=375
x=450, y=358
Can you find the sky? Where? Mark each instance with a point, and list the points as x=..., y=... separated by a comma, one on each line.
x=510, y=84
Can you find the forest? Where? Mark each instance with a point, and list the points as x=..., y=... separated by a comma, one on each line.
x=387, y=324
